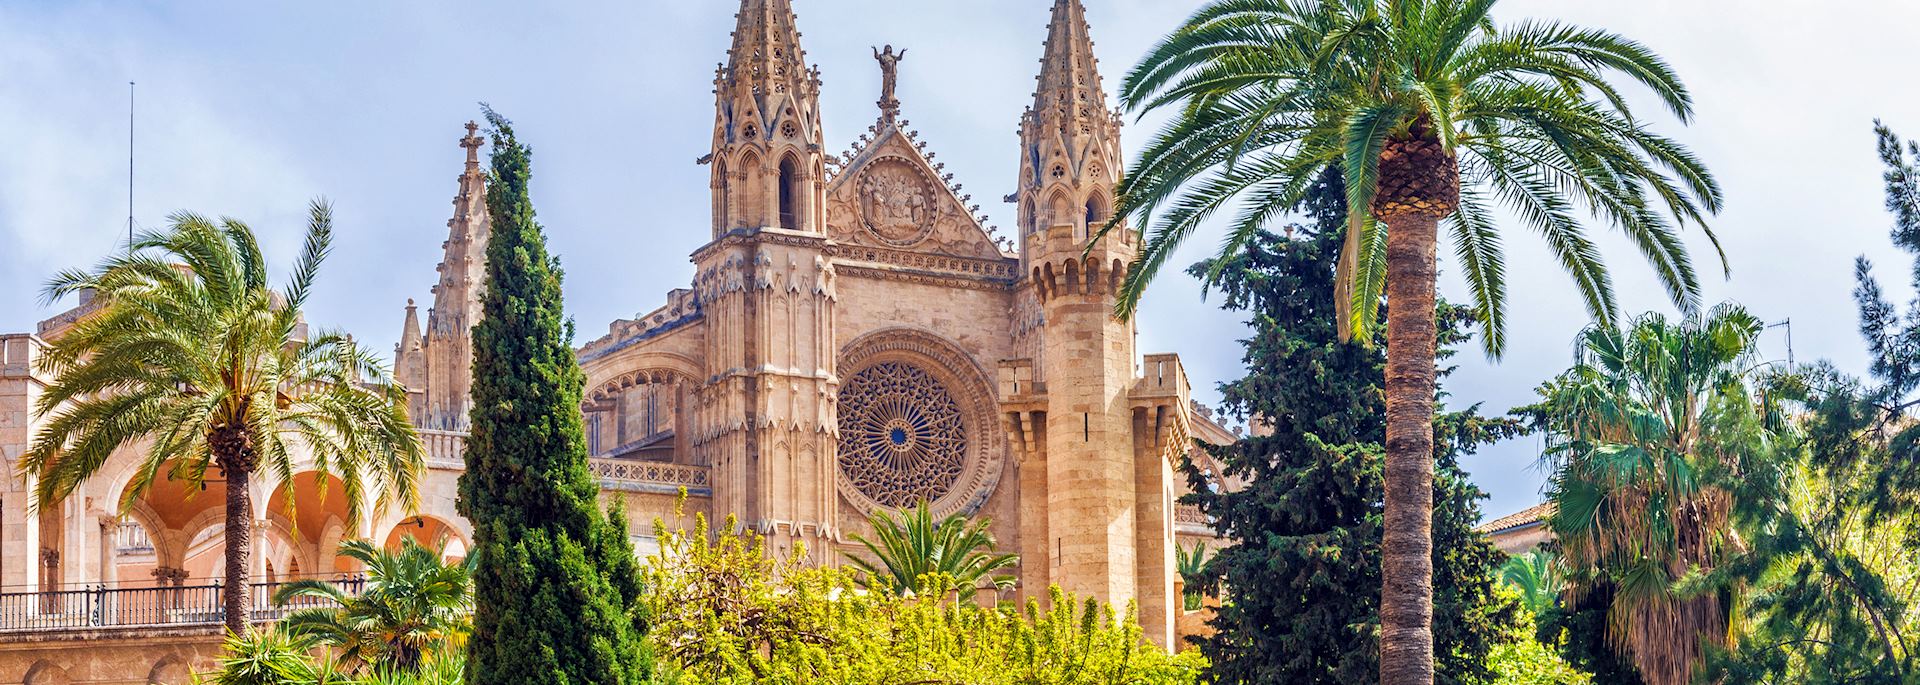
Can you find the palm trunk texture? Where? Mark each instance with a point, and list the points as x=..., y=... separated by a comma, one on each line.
x=1419, y=183
x=234, y=455
x=233, y=595
x=1406, y=595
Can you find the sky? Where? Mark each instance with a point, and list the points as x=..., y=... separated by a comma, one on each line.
x=251, y=109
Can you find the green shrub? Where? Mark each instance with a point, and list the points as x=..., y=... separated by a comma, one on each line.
x=725, y=613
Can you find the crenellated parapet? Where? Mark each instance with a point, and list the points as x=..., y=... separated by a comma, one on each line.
x=682, y=308
x=1061, y=264
x=1162, y=403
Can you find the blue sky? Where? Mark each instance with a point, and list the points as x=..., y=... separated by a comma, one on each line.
x=250, y=109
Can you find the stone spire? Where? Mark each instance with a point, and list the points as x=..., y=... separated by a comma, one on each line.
x=1070, y=139
x=410, y=362
x=456, y=300
x=410, y=338
x=1069, y=73
x=767, y=138
x=766, y=60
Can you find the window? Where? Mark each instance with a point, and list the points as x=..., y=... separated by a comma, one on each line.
x=789, y=194
x=721, y=190
x=1096, y=212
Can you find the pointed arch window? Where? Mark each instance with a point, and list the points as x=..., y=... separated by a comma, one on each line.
x=722, y=185
x=789, y=193
x=1096, y=211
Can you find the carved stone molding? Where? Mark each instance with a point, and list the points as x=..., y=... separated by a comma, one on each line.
x=896, y=202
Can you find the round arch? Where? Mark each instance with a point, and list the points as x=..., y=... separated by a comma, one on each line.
x=45, y=672
x=620, y=371
x=432, y=532
x=169, y=670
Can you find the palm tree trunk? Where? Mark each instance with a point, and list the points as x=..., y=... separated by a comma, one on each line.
x=233, y=595
x=1406, y=595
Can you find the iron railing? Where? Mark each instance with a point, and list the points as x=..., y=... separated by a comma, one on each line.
x=109, y=607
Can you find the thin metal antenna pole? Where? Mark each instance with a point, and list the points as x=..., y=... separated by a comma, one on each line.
x=1790, y=344
x=129, y=168
x=1788, y=325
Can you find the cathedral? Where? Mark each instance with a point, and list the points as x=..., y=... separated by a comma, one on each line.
x=854, y=340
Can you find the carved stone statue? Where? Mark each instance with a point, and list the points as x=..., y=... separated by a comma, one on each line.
x=889, y=70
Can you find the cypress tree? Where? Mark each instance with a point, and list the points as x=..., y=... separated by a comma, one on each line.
x=556, y=585
x=1304, y=573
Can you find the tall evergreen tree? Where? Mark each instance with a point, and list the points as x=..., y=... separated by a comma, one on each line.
x=556, y=585
x=1305, y=574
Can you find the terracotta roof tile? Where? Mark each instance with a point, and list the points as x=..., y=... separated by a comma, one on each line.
x=1534, y=514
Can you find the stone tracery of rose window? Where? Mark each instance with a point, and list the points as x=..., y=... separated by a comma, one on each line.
x=902, y=438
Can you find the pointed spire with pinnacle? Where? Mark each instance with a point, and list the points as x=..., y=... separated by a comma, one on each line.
x=447, y=345
x=410, y=362
x=1069, y=73
x=1070, y=140
x=766, y=58
x=767, y=112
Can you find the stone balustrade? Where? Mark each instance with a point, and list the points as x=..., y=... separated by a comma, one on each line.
x=446, y=450
x=651, y=476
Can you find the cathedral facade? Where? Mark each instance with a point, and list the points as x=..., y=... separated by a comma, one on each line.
x=854, y=340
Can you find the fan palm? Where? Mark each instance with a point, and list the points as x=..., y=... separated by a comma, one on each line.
x=1536, y=576
x=1434, y=115
x=193, y=355
x=914, y=545
x=1661, y=452
x=412, y=603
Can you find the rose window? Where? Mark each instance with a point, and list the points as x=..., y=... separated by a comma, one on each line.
x=902, y=440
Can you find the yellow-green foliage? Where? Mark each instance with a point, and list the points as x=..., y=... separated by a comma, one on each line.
x=723, y=612
x=1524, y=661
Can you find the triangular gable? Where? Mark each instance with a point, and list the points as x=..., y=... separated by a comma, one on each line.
x=890, y=196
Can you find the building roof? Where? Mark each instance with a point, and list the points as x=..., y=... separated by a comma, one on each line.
x=1527, y=517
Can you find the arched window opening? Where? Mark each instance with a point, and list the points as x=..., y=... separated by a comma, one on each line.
x=789, y=194
x=1096, y=212
x=722, y=185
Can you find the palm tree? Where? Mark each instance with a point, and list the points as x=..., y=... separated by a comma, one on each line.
x=268, y=657
x=1433, y=114
x=1189, y=563
x=413, y=605
x=1536, y=576
x=193, y=354
x=1662, y=453
x=914, y=545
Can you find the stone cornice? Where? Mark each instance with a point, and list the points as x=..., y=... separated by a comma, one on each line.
x=1003, y=272
x=747, y=237
x=936, y=278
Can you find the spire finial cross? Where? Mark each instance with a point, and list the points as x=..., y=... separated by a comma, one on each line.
x=472, y=143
